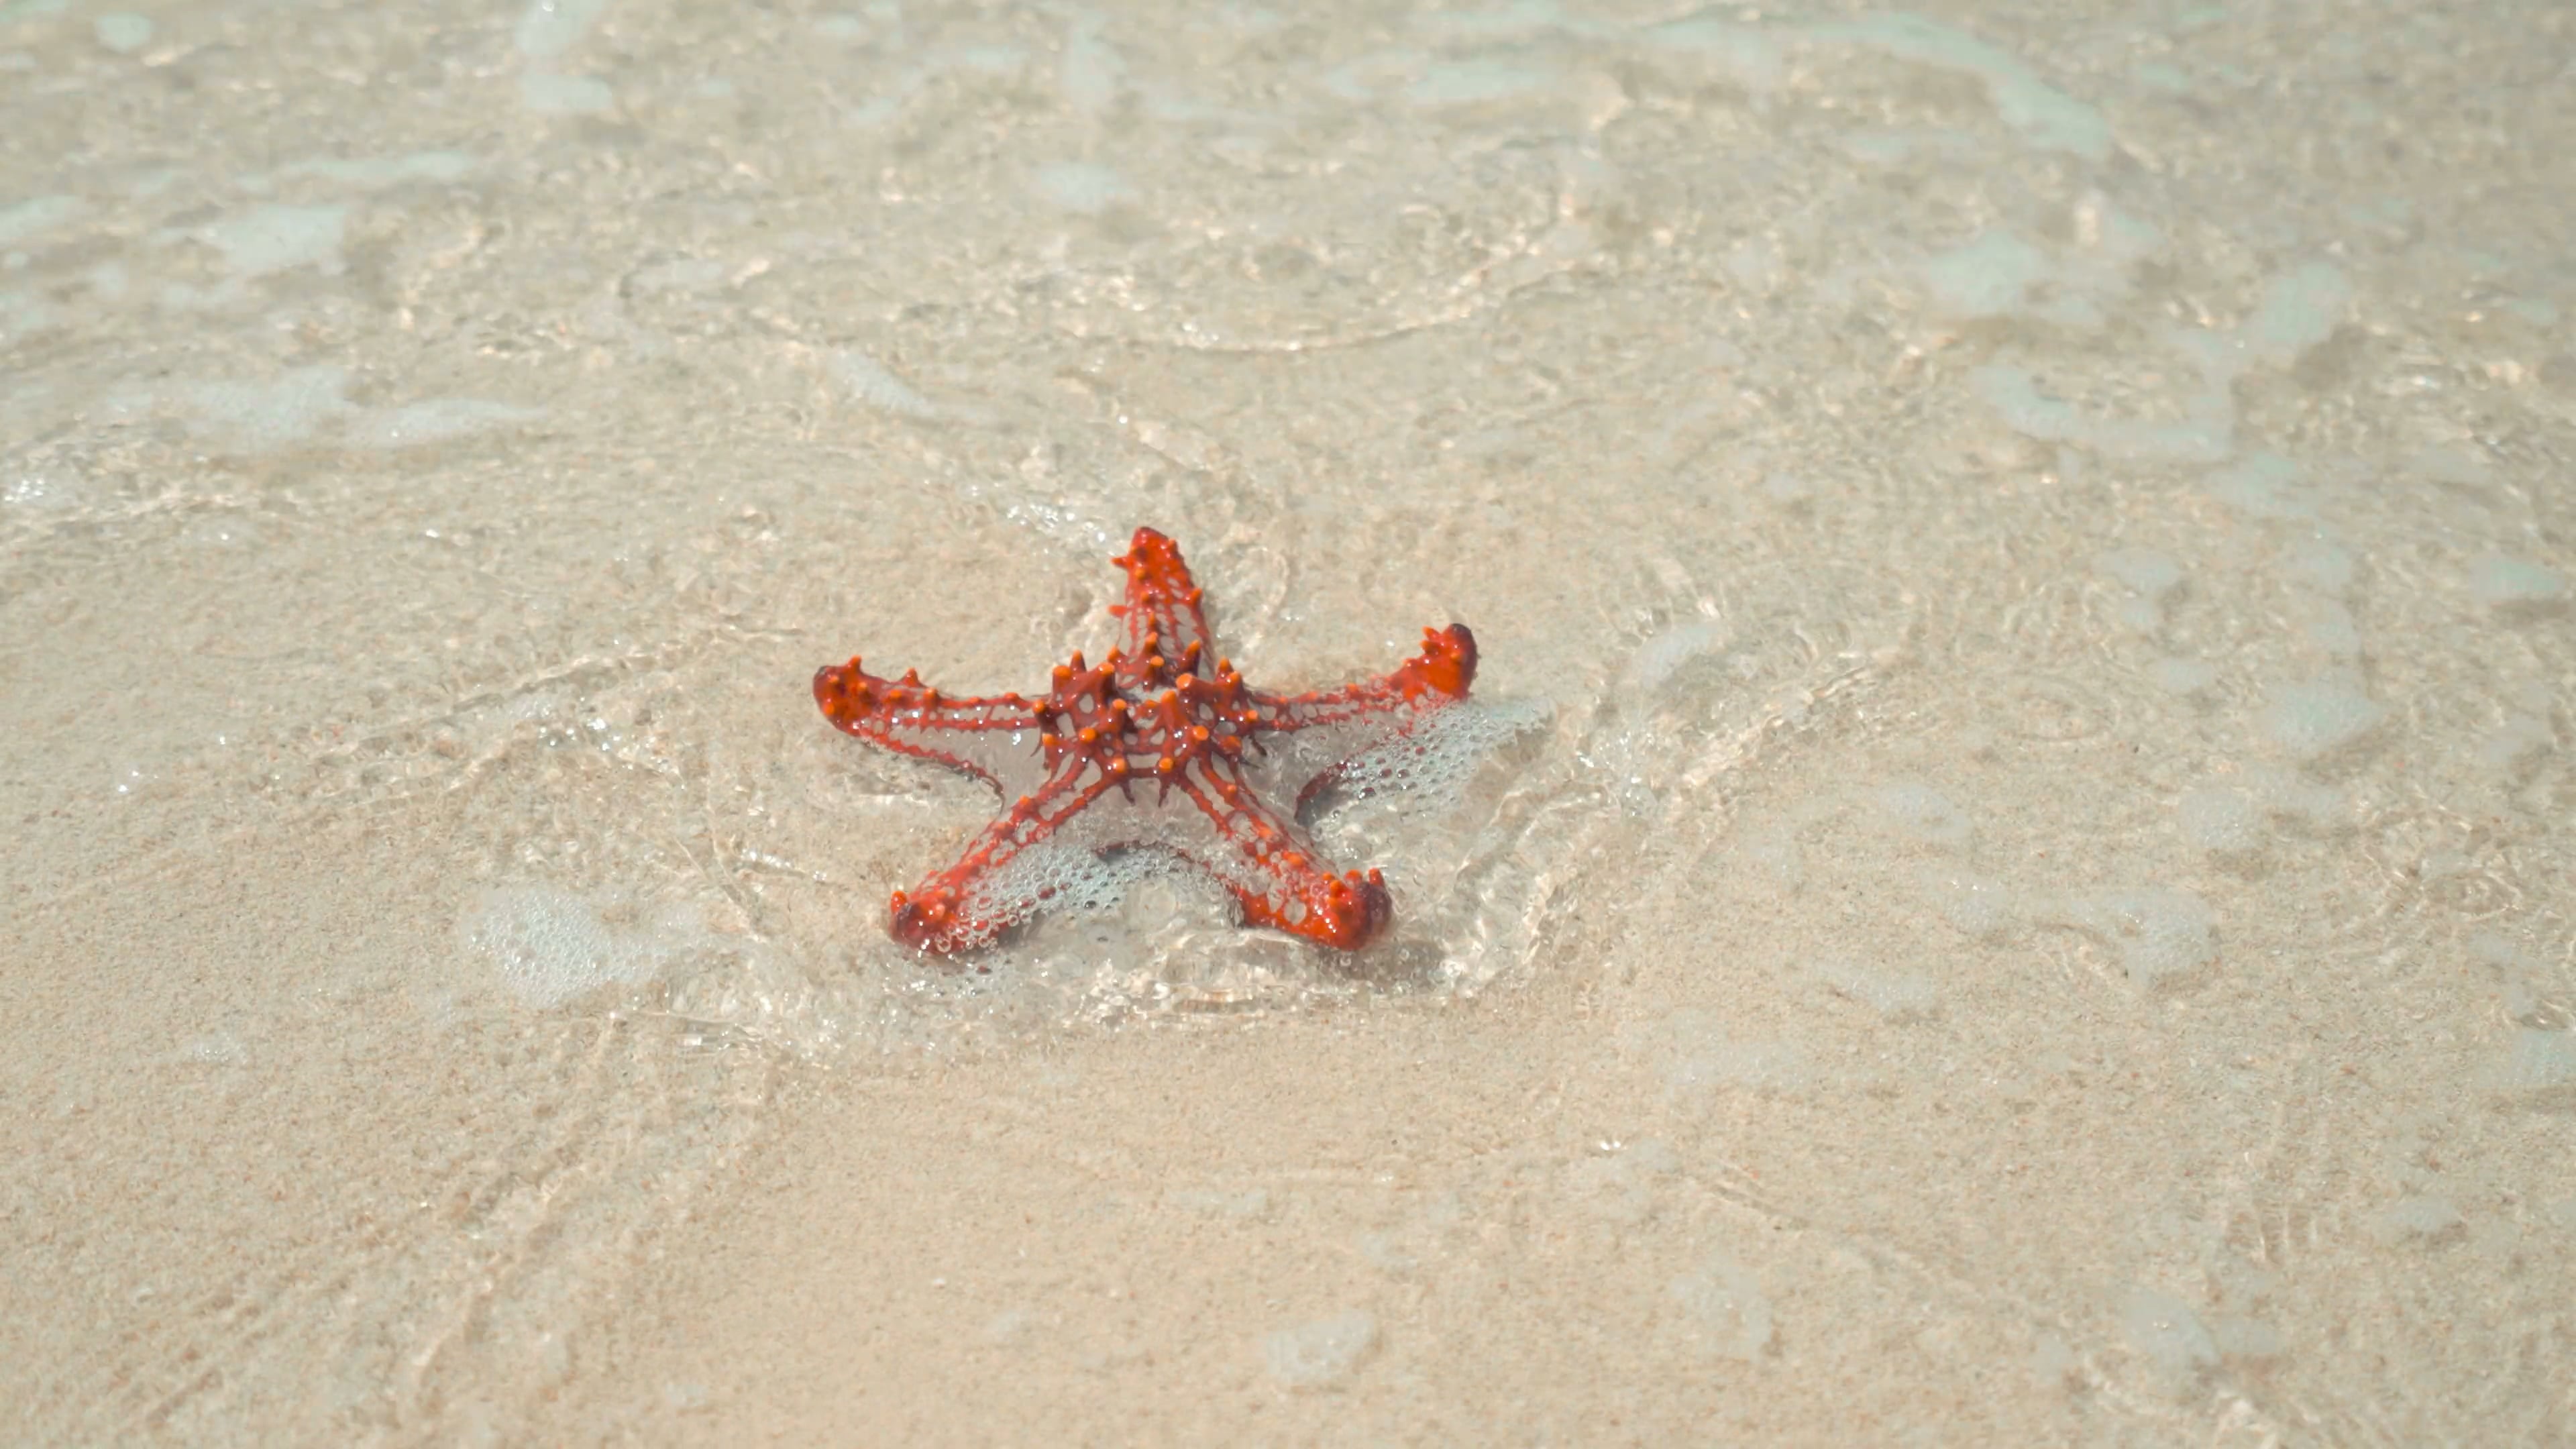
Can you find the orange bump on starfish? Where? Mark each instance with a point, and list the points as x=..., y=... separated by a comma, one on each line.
x=1145, y=749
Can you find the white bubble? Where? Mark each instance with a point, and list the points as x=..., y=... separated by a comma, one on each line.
x=2159, y=931
x=1323, y=1353
x=2219, y=818
x=550, y=946
x=2539, y=1060
x=1668, y=649
x=548, y=94
x=548, y=28
x=1435, y=756
x=1980, y=906
x=2150, y=573
x=24, y=219
x=1703, y=1060
x=2501, y=580
x=1895, y=995
x=1926, y=814
x=122, y=31
x=434, y=420
x=871, y=383
x=1992, y=275
x=265, y=240
x=2312, y=717
x=1082, y=187
x=2182, y=676
x=2417, y=1219
x=2165, y=1330
x=2263, y=485
x=2320, y=561
x=1725, y=1306
x=2300, y=309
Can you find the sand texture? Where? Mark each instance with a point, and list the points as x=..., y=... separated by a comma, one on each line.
x=2017, y=883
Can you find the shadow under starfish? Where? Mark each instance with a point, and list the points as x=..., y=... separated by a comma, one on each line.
x=1150, y=747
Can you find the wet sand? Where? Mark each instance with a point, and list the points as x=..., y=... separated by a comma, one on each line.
x=2028, y=556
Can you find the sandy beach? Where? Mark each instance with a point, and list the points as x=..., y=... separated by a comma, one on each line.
x=2007, y=877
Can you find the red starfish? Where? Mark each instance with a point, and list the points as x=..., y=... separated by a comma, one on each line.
x=1143, y=717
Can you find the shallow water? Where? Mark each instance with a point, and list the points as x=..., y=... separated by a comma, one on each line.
x=2032, y=553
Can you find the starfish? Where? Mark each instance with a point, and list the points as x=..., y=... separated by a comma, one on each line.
x=1149, y=747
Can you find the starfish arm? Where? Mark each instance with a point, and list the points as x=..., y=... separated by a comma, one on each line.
x=975, y=900
x=1438, y=675
x=989, y=738
x=1273, y=871
x=1162, y=611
